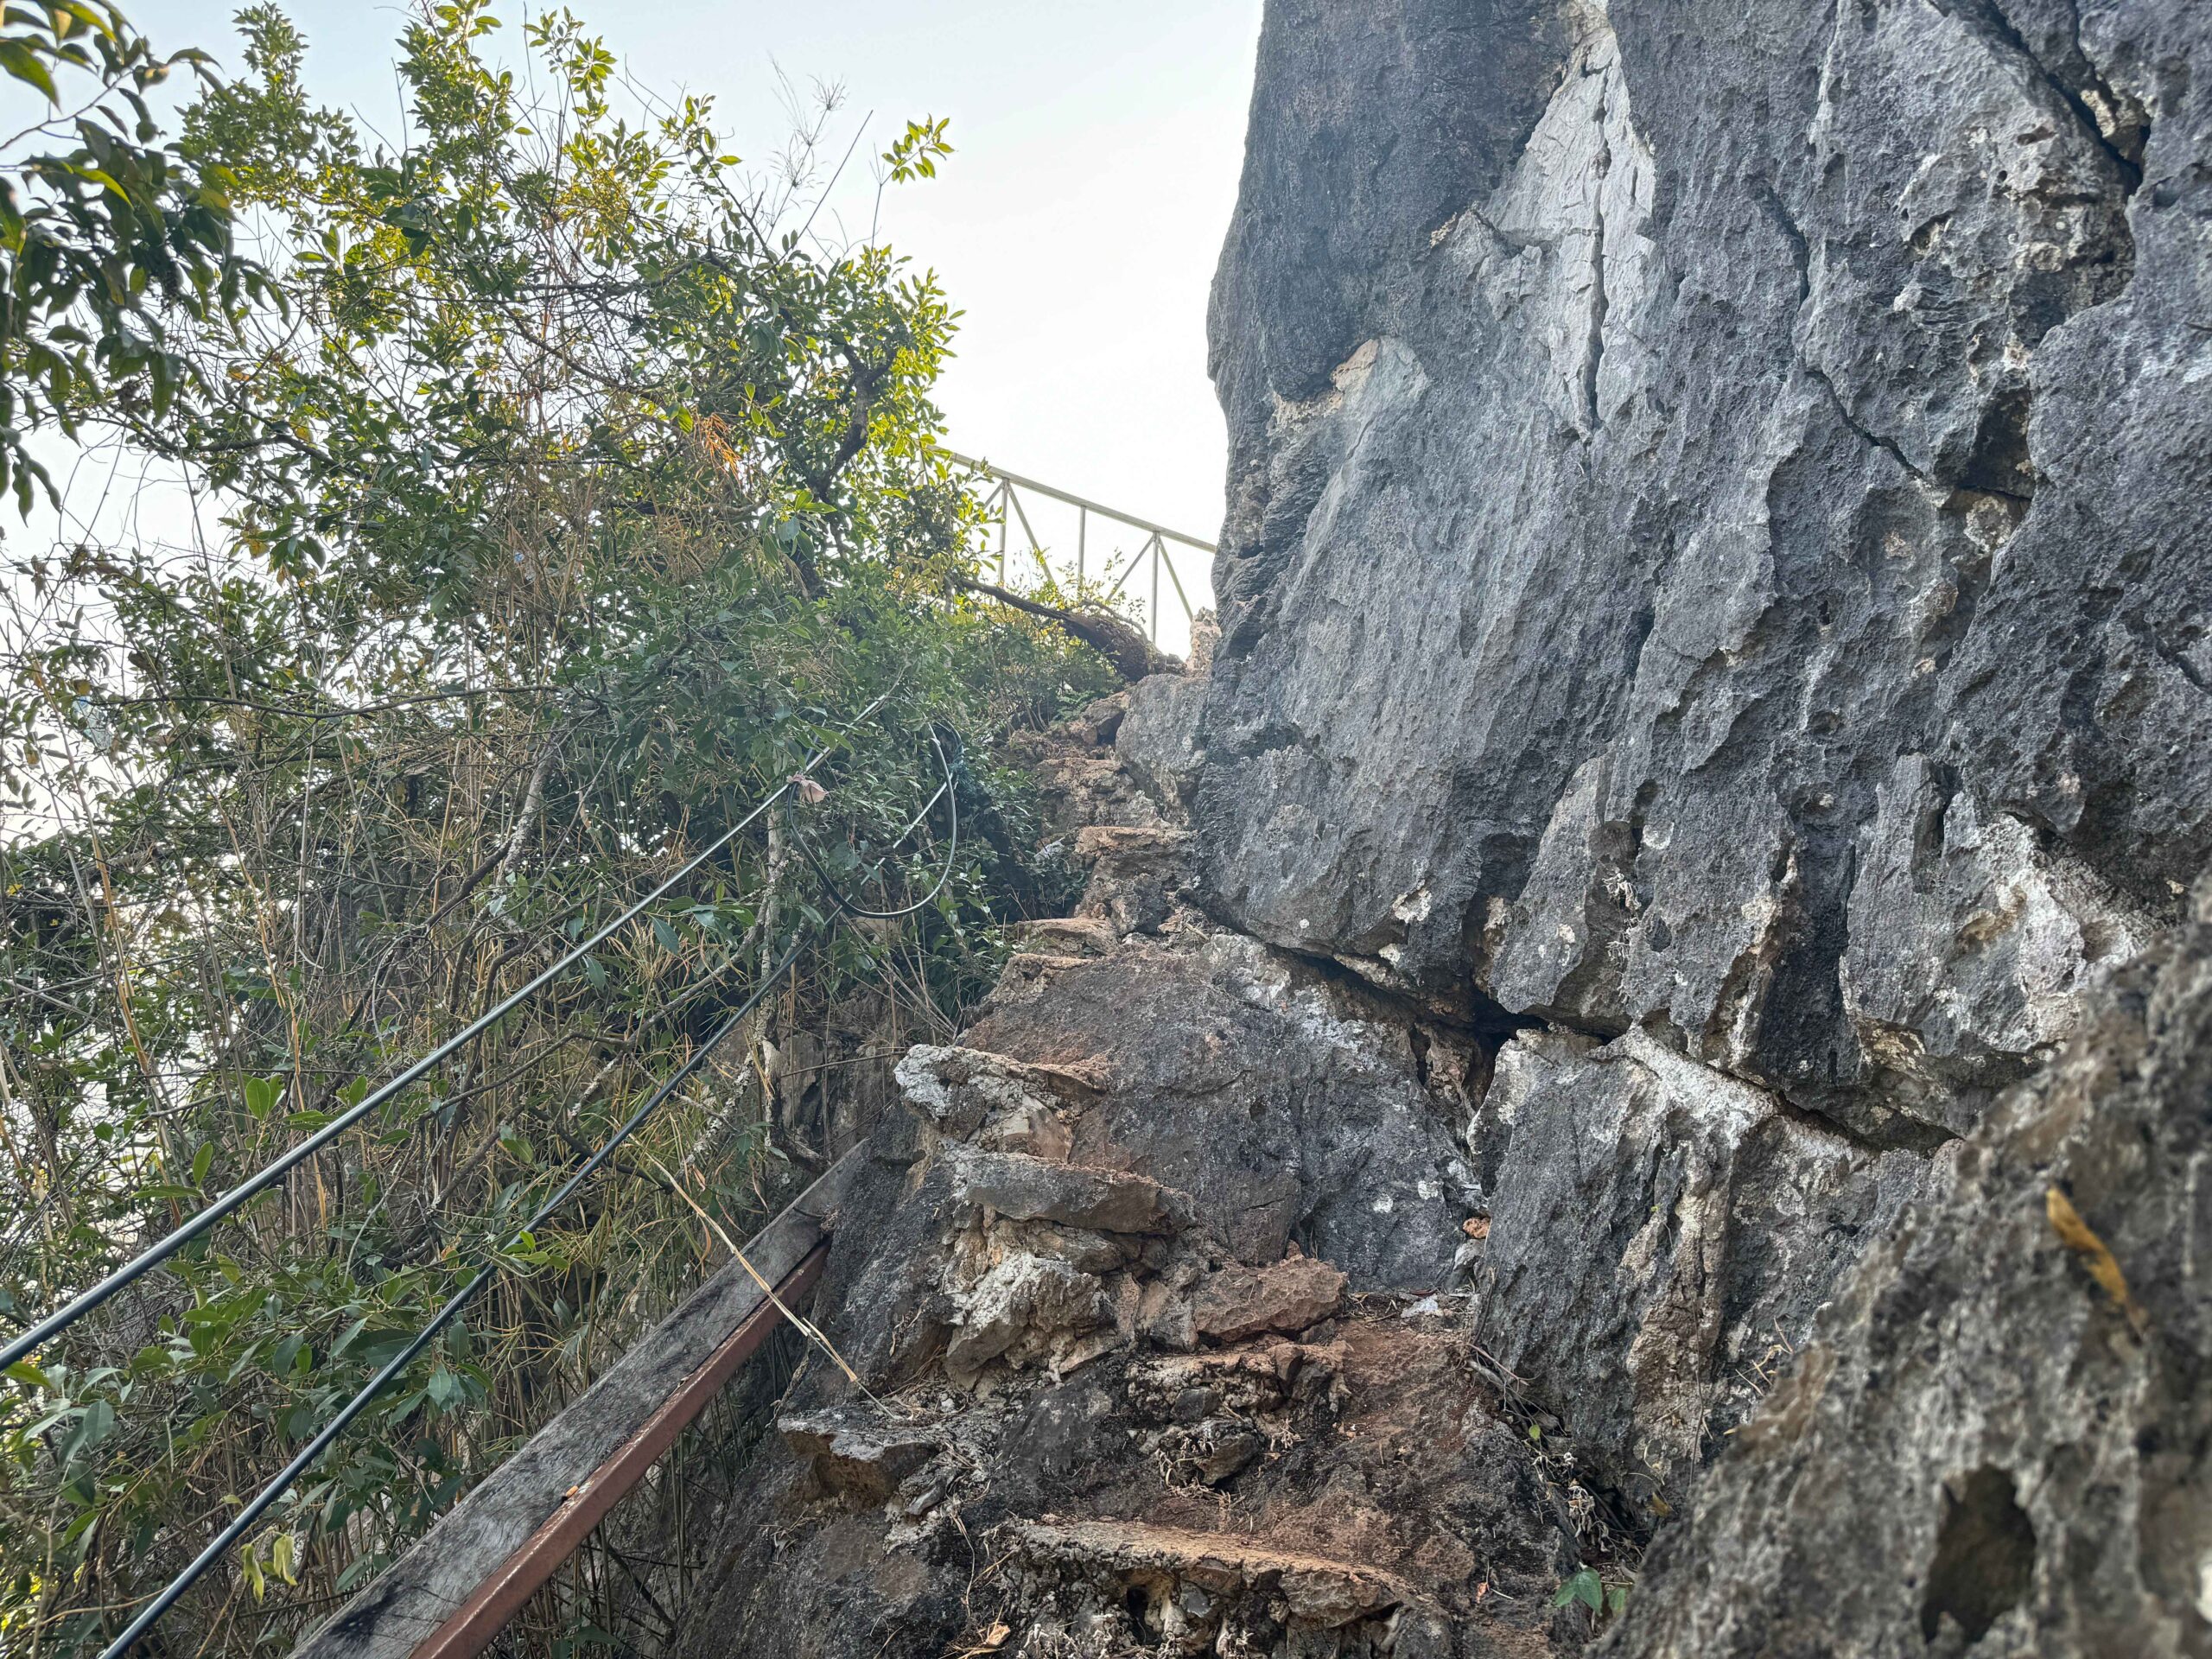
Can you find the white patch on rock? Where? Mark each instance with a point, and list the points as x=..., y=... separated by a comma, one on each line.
x=1564, y=248
x=1969, y=943
x=1016, y=1309
x=1731, y=1107
x=1414, y=905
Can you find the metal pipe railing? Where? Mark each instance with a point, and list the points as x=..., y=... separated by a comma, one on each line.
x=1003, y=508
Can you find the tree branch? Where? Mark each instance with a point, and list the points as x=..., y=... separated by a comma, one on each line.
x=1127, y=651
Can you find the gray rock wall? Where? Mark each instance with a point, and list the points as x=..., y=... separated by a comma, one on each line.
x=1716, y=537
x=1716, y=596
x=1997, y=1441
x=1659, y=1238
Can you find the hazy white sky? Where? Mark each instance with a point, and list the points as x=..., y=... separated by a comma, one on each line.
x=1097, y=151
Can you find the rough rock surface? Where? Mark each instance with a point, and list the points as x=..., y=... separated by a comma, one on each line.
x=1142, y=1290
x=1287, y=1104
x=1659, y=1238
x=1716, y=528
x=1207, y=1299
x=1999, y=1440
x=1716, y=577
x=1645, y=997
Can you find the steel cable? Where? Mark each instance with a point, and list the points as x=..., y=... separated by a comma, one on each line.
x=28, y=1341
x=245, y=1519
x=285, y=1478
x=948, y=790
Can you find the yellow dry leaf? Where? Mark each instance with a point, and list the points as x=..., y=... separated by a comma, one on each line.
x=2077, y=1237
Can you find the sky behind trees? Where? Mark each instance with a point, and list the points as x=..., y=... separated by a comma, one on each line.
x=1097, y=151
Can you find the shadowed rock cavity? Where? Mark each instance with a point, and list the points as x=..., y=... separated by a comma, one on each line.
x=1985, y=1556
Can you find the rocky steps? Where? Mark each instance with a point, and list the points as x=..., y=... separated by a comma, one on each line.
x=1651, y=1008
x=1141, y=1280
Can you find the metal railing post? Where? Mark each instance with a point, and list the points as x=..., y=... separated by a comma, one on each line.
x=1152, y=615
x=1036, y=547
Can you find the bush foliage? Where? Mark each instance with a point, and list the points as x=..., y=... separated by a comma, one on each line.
x=554, y=492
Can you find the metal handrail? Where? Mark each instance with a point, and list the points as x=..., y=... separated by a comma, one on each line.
x=1103, y=512
x=1002, y=509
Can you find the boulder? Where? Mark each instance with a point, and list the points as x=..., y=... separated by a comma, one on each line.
x=856, y=1453
x=1288, y=1104
x=1289, y=1297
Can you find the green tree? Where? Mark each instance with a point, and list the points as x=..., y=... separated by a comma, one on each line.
x=108, y=240
x=571, y=496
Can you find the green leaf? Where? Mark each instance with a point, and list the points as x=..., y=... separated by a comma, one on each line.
x=261, y=1094
x=25, y=1372
x=17, y=59
x=47, y=1421
x=1585, y=1587
x=95, y=1426
x=201, y=1161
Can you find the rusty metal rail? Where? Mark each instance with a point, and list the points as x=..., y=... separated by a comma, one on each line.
x=449, y=1595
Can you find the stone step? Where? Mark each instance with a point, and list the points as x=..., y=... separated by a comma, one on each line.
x=1136, y=843
x=1018, y=1188
x=1002, y=1105
x=1165, y=1562
x=857, y=1454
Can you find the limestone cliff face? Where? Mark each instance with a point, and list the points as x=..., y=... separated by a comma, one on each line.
x=1996, y=1442
x=1717, y=576
x=1716, y=538
x=1643, y=1023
